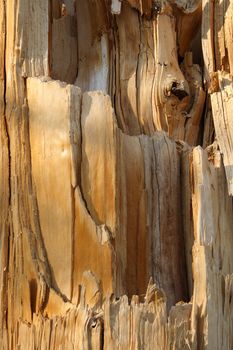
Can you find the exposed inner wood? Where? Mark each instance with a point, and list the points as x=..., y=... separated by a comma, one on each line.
x=116, y=218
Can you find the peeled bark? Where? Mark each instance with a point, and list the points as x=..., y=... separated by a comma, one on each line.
x=116, y=225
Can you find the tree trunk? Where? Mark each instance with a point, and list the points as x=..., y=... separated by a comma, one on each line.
x=116, y=143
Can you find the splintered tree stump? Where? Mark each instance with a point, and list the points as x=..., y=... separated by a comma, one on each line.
x=116, y=167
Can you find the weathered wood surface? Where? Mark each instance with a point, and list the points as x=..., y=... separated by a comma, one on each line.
x=218, y=62
x=116, y=226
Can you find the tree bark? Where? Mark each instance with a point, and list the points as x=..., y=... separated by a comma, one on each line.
x=116, y=213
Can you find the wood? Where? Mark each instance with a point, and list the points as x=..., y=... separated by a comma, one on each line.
x=116, y=217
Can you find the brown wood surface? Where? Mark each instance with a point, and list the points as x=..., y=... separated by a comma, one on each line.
x=116, y=169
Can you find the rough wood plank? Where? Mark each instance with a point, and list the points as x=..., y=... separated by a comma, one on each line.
x=51, y=127
x=222, y=104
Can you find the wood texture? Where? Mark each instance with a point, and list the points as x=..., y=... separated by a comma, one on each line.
x=116, y=217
